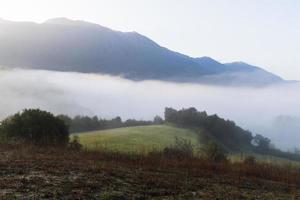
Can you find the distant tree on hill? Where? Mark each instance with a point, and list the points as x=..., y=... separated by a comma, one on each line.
x=158, y=120
x=262, y=143
x=86, y=123
x=190, y=116
x=171, y=115
x=133, y=122
x=226, y=131
x=36, y=127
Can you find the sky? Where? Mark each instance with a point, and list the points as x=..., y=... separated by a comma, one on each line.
x=261, y=32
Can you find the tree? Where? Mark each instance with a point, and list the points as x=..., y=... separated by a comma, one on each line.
x=171, y=115
x=225, y=131
x=36, y=127
x=158, y=120
x=262, y=143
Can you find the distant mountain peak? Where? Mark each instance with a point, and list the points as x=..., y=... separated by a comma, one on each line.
x=67, y=21
x=207, y=59
x=238, y=63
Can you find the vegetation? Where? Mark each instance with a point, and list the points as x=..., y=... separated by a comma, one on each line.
x=250, y=160
x=182, y=149
x=220, y=136
x=85, y=123
x=37, y=168
x=225, y=132
x=75, y=144
x=51, y=173
x=36, y=127
x=139, y=139
x=215, y=153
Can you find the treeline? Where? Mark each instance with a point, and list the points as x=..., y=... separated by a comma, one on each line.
x=43, y=128
x=227, y=133
x=85, y=123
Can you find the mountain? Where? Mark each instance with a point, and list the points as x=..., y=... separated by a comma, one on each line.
x=236, y=73
x=212, y=64
x=69, y=45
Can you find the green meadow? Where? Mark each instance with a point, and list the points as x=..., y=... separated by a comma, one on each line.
x=138, y=139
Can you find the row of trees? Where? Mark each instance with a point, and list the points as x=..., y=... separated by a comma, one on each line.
x=39, y=127
x=43, y=128
x=86, y=123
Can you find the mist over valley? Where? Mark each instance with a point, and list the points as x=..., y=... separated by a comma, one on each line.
x=72, y=93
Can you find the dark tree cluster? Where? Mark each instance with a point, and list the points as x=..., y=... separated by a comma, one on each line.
x=226, y=131
x=262, y=143
x=86, y=123
x=36, y=127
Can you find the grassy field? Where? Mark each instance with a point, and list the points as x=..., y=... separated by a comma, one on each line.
x=143, y=139
x=140, y=139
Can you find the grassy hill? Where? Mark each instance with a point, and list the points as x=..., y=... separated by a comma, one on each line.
x=140, y=139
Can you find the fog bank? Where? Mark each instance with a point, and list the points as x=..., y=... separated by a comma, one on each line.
x=106, y=96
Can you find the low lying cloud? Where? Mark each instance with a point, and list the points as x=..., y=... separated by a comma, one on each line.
x=106, y=96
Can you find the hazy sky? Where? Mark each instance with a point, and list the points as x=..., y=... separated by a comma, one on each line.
x=261, y=32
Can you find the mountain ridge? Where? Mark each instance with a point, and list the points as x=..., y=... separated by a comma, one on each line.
x=62, y=44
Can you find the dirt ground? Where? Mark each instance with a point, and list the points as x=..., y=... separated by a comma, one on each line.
x=40, y=175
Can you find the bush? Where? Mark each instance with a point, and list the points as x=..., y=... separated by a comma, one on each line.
x=36, y=127
x=182, y=149
x=250, y=160
x=75, y=145
x=215, y=153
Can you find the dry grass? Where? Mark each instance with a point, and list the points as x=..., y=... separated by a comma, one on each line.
x=29, y=172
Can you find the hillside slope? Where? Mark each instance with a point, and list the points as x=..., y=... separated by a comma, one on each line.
x=136, y=139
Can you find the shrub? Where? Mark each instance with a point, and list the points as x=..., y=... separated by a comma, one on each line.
x=36, y=127
x=75, y=145
x=249, y=160
x=215, y=153
x=182, y=149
